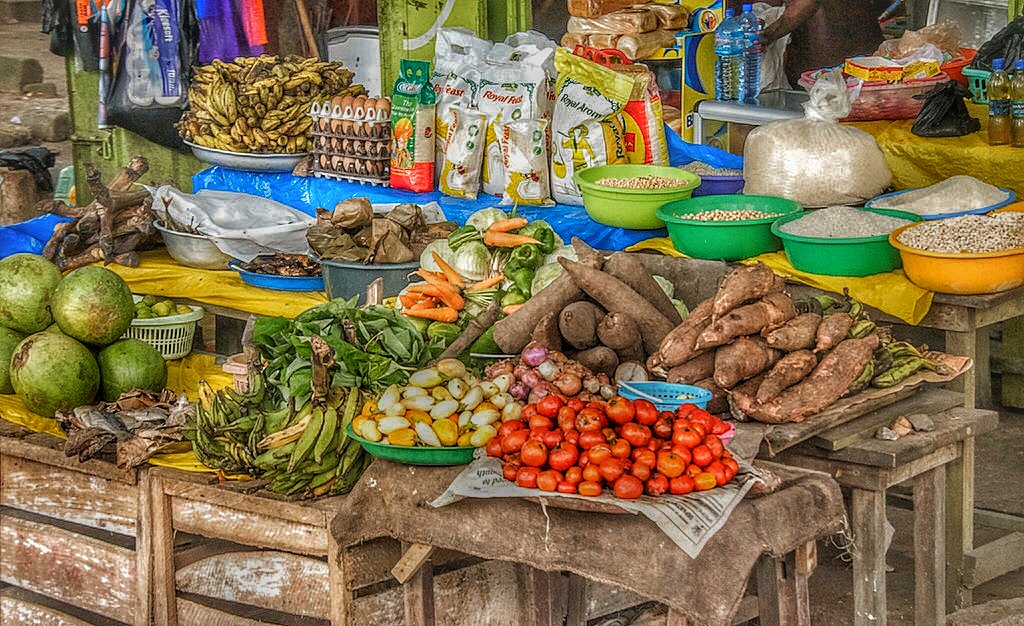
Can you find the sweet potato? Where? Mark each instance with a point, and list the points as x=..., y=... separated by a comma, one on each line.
x=547, y=333
x=578, y=324
x=719, y=402
x=618, y=331
x=744, y=284
x=771, y=311
x=697, y=368
x=618, y=297
x=599, y=359
x=834, y=328
x=826, y=384
x=790, y=370
x=627, y=268
x=745, y=388
x=678, y=346
x=797, y=334
x=742, y=359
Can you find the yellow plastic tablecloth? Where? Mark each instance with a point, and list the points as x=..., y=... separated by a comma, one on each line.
x=922, y=161
x=891, y=293
x=183, y=376
x=160, y=275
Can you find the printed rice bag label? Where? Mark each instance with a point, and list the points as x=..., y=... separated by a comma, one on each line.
x=507, y=101
x=463, y=153
x=412, y=128
x=459, y=91
x=524, y=151
x=645, y=128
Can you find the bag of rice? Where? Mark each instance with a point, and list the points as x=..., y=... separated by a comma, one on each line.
x=524, y=151
x=463, y=153
x=458, y=62
x=412, y=128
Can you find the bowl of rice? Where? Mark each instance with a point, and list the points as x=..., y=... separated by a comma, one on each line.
x=627, y=196
x=715, y=181
x=957, y=195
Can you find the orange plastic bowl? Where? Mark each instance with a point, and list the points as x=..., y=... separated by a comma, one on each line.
x=955, y=69
x=1016, y=207
x=967, y=273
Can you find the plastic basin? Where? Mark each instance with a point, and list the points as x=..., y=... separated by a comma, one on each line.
x=966, y=273
x=1011, y=198
x=630, y=208
x=719, y=185
x=725, y=240
x=344, y=280
x=854, y=256
x=955, y=69
x=278, y=283
x=415, y=455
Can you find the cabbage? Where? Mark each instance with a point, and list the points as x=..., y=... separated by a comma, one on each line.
x=440, y=246
x=472, y=260
x=665, y=284
x=567, y=252
x=482, y=219
x=544, y=276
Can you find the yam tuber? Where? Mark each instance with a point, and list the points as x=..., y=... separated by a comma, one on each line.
x=697, y=368
x=834, y=328
x=578, y=324
x=771, y=311
x=679, y=345
x=797, y=334
x=719, y=402
x=618, y=331
x=634, y=352
x=587, y=255
x=599, y=359
x=546, y=332
x=627, y=268
x=790, y=370
x=742, y=359
x=744, y=284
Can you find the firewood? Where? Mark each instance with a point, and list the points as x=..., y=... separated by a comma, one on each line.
x=122, y=200
x=106, y=238
x=126, y=177
x=59, y=232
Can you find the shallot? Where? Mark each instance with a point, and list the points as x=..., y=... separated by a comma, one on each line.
x=548, y=370
x=518, y=390
x=568, y=384
x=534, y=354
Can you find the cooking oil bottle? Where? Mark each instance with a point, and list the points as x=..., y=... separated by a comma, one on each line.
x=1017, y=104
x=998, y=105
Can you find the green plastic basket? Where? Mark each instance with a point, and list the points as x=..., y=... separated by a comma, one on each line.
x=415, y=455
x=725, y=240
x=977, y=82
x=630, y=208
x=855, y=256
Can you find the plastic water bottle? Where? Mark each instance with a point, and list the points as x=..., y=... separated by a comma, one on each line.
x=65, y=189
x=752, y=50
x=998, y=105
x=1017, y=104
x=729, y=39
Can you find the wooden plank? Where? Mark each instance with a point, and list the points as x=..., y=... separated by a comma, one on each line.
x=993, y=559
x=339, y=582
x=76, y=497
x=195, y=614
x=1013, y=377
x=869, y=477
x=74, y=568
x=144, y=552
x=300, y=512
x=49, y=450
x=164, y=606
x=782, y=593
x=576, y=601
x=959, y=524
x=414, y=557
x=868, y=521
x=930, y=548
x=542, y=584
x=418, y=596
x=981, y=301
x=747, y=610
x=256, y=529
x=21, y=608
x=928, y=401
x=974, y=343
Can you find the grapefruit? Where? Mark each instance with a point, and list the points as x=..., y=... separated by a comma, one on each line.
x=9, y=340
x=27, y=282
x=51, y=372
x=93, y=305
x=130, y=364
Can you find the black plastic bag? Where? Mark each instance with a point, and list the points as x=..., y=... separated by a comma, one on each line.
x=1006, y=44
x=36, y=160
x=57, y=24
x=944, y=113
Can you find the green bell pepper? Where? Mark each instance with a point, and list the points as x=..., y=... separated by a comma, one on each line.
x=542, y=232
x=528, y=256
x=513, y=296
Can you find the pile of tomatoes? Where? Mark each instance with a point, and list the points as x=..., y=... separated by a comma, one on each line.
x=570, y=446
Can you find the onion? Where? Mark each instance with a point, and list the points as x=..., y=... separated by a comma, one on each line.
x=497, y=369
x=592, y=384
x=549, y=371
x=568, y=384
x=530, y=378
x=541, y=391
x=518, y=390
x=607, y=392
x=586, y=396
x=630, y=370
x=534, y=354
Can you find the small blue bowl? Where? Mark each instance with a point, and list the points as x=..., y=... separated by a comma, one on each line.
x=670, y=395
x=940, y=216
x=278, y=283
x=719, y=185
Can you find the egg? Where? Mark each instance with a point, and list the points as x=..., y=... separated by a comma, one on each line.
x=338, y=163
x=346, y=106
x=335, y=125
x=324, y=161
x=370, y=109
x=346, y=129
x=383, y=109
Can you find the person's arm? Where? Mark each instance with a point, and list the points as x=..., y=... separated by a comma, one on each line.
x=797, y=12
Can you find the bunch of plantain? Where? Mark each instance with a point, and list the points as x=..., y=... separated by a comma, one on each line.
x=260, y=104
x=896, y=362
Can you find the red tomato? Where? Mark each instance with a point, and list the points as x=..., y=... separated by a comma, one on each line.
x=718, y=471
x=636, y=434
x=584, y=459
x=589, y=488
x=589, y=419
x=700, y=429
x=600, y=453
x=566, y=418
x=534, y=453
x=549, y=405
x=670, y=464
x=655, y=444
x=563, y=456
x=704, y=481
x=718, y=427
x=540, y=421
x=641, y=471
x=528, y=411
x=511, y=467
x=657, y=485
x=538, y=433
x=683, y=453
x=684, y=410
x=591, y=438
x=628, y=487
x=692, y=470
x=621, y=449
x=575, y=404
x=513, y=441
x=527, y=477
x=574, y=475
x=715, y=445
x=553, y=437
x=572, y=436
x=646, y=413
x=680, y=485
x=592, y=473
x=731, y=465
x=686, y=437
x=493, y=448
x=566, y=487
x=620, y=410
x=662, y=428
x=509, y=426
x=548, y=480
x=701, y=455
x=645, y=457
x=611, y=469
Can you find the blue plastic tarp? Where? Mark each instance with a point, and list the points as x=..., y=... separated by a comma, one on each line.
x=30, y=236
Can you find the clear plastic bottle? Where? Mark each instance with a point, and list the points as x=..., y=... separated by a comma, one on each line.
x=65, y=189
x=729, y=67
x=752, y=50
x=998, y=105
x=1017, y=104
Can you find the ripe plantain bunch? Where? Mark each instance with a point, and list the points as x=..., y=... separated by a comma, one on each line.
x=260, y=104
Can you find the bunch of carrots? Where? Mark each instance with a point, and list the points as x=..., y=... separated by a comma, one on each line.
x=440, y=297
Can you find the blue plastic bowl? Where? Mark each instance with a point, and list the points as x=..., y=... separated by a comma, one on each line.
x=670, y=395
x=278, y=283
x=1009, y=200
x=719, y=185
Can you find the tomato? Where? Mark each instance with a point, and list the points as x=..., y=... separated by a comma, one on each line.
x=548, y=480
x=645, y=457
x=592, y=473
x=718, y=427
x=584, y=459
x=574, y=475
x=662, y=428
x=621, y=449
x=563, y=456
x=686, y=437
x=700, y=429
x=572, y=436
x=589, y=419
x=527, y=477
x=701, y=417
x=575, y=404
x=730, y=464
x=534, y=453
x=611, y=469
x=493, y=448
x=657, y=484
x=670, y=464
x=589, y=488
x=683, y=453
x=716, y=469
x=646, y=412
x=511, y=467
x=538, y=433
x=549, y=405
x=513, y=441
x=600, y=453
x=620, y=410
x=704, y=481
x=692, y=470
x=680, y=485
x=528, y=411
x=510, y=426
x=566, y=487
x=655, y=444
x=553, y=437
x=684, y=410
x=591, y=438
x=637, y=435
x=641, y=471
x=701, y=455
x=715, y=445
x=540, y=421
x=566, y=418
x=628, y=487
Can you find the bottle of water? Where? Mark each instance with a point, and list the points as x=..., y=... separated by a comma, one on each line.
x=729, y=39
x=998, y=105
x=1017, y=104
x=65, y=189
x=752, y=50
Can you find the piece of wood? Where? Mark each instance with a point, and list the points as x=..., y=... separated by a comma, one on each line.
x=868, y=477
x=993, y=559
x=19, y=607
x=959, y=524
x=807, y=558
x=782, y=594
x=542, y=584
x=164, y=605
x=339, y=582
x=868, y=521
x=135, y=169
x=309, y=37
x=202, y=487
x=260, y=530
x=576, y=601
x=49, y=450
x=418, y=595
x=144, y=551
x=414, y=557
x=1012, y=383
x=930, y=548
x=191, y=613
x=977, y=389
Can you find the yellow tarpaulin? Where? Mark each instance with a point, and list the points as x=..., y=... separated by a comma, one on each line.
x=891, y=293
x=183, y=376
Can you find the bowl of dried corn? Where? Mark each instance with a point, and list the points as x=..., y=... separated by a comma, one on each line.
x=726, y=227
x=628, y=196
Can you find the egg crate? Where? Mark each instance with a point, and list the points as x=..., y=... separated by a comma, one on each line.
x=368, y=148
x=360, y=129
x=368, y=180
x=353, y=165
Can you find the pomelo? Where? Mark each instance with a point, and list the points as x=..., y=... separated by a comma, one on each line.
x=130, y=364
x=27, y=282
x=9, y=340
x=93, y=305
x=53, y=372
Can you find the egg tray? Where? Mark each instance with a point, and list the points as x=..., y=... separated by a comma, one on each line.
x=340, y=128
x=369, y=148
x=356, y=166
x=369, y=180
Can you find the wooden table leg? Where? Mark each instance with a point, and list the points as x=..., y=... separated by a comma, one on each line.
x=930, y=548
x=976, y=385
x=419, y=595
x=868, y=513
x=782, y=596
x=338, y=574
x=576, y=601
x=143, y=552
x=165, y=602
x=959, y=524
x=542, y=598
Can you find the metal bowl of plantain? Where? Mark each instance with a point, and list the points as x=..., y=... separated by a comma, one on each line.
x=416, y=455
x=247, y=161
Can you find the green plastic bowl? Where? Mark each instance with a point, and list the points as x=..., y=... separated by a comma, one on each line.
x=725, y=240
x=856, y=256
x=415, y=455
x=630, y=208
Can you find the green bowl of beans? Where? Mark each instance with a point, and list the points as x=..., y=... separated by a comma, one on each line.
x=627, y=196
x=726, y=227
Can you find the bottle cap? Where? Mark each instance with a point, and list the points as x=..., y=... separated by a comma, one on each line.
x=1019, y=64
x=997, y=64
x=732, y=13
x=747, y=7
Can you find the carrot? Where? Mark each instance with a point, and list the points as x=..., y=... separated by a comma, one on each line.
x=486, y=283
x=438, y=275
x=408, y=299
x=512, y=308
x=440, y=314
x=425, y=303
x=447, y=294
x=504, y=226
x=449, y=272
x=506, y=240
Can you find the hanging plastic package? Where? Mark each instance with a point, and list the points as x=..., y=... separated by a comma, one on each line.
x=463, y=153
x=412, y=128
x=524, y=152
x=814, y=160
x=57, y=24
x=587, y=128
x=230, y=28
x=458, y=58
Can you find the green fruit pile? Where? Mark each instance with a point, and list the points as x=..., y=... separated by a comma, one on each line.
x=150, y=308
